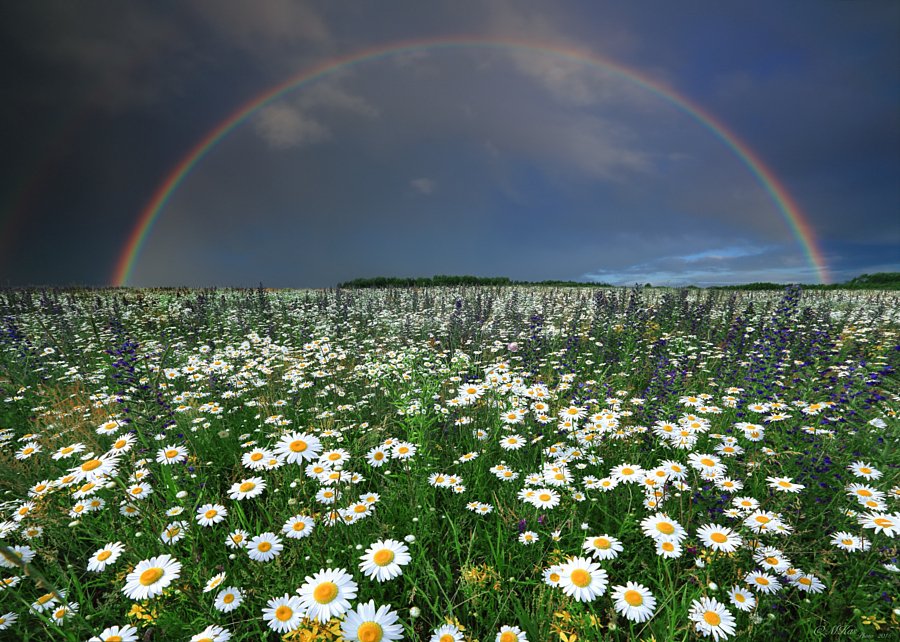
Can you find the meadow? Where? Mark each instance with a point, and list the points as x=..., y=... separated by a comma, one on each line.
x=491, y=464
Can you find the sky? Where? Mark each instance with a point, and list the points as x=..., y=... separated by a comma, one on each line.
x=638, y=142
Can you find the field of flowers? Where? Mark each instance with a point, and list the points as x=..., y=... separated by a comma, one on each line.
x=449, y=464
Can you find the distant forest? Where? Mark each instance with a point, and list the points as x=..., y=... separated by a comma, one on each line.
x=879, y=281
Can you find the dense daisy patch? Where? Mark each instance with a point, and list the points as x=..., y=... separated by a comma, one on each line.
x=450, y=465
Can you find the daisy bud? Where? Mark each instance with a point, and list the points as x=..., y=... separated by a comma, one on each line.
x=713, y=586
x=74, y=524
x=181, y=494
x=415, y=612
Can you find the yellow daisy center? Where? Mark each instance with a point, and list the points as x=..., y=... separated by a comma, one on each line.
x=137, y=490
x=784, y=484
x=509, y=636
x=151, y=576
x=369, y=632
x=383, y=557
x=805, y=581
x=334, y=456
x=264, y=547
x=114, y=638
x=325, y=592
x=665, y=528
x=634, y=598
x=581, y=578
x=706, y=461
x=360, y=508
x=228, y=598
x=762, y=519
x=66, y=450
x=712, y=618
x=762, y=581
x=864, y=492
x=284, y=613
x=545, y=497
x=740, y=597
x=46, y=597
x=171, y=453
x=446, y=638
x=90, y=465
x=602, y=542
x=256, y=456
x=104, y=555
x=772, y=560
x=668, y=547
x=212, y=512
x=718, y=538
x=299, y=526
x=627, y=471
x=246, y=487
x=865, y=471
x=298, y=446
x=884, y=522
x=378, y=456
x=119, y=444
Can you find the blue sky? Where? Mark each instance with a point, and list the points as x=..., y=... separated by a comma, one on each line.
x=463, y=161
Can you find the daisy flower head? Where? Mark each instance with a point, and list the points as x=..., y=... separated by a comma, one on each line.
x=510, y=634
x=210, y=514
x=711, y=618
x=660, y=526
x=446, y=633
x=762, y=582
x=383, y=560
x=719, y=538
x=784, y=485
x=403, y=450
x=849, y=542
x=228, y=599
x=627, y=473
x=582, y=579
x=512, y=442
x=634, y=601
x=150, y=577
x=668, y=549
x=553, y=575
x=602, y=547
x=365, y=623
x=528, y=537
x=116, y=634
x=7, y=620
x=741, y=598
x=247, y=489
x=283, y=613
x=809, y=583
x=327, y=594
x=94, y=469
x=264, y=547
x=377, y=456
x=212, y=633
x=887, y=523
x=545, y=498
x=237, y=539
x=172, y=455
x=298, y=447
x=864, y=470
x=104, y=557
x=214, y=582
x=298, y=527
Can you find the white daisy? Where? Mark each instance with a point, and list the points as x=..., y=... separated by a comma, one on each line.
x=228, y=599
x=104, y=557
x=383, y=560
x=264, y=547
x=366, y=624
x=327, y=594
x=634, y=601
x=283, y=613
x=582, y=579
x=150, y=577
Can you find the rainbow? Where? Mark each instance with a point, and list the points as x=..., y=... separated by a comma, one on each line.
x=789, y=209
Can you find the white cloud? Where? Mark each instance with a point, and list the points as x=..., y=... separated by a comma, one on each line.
x=283, y=126
x=423, y=185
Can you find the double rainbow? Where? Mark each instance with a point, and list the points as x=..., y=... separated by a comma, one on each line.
x=796, y=221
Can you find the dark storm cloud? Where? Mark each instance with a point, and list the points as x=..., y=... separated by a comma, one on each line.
x=485, y=162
